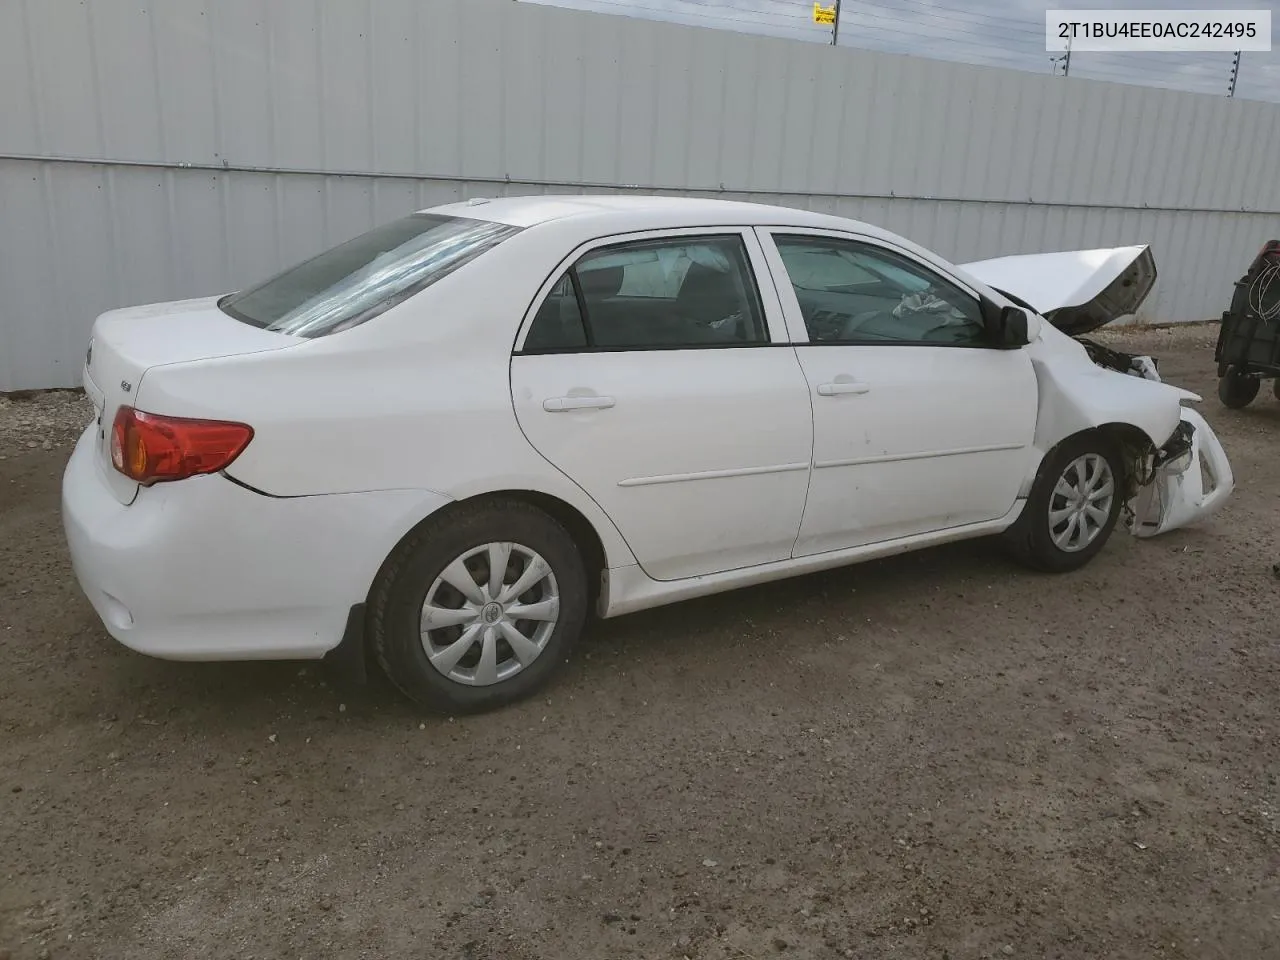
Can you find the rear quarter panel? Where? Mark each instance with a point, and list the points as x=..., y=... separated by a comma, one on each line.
x=417, y=398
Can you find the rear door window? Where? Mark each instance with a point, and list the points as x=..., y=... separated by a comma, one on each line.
x=558, y=324
x=673, y=293
x=366, y=276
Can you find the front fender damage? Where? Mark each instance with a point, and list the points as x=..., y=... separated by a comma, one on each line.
x=1189, y=478
x=1177, y=471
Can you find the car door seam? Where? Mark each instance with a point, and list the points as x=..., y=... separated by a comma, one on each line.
x=515, y=415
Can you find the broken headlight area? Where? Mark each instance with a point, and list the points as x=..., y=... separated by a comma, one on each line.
x=1136, y=365
x=1179, y=452
x=1184, y=481
x=1144, y=495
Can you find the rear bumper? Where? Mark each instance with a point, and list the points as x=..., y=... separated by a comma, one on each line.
x=205, y=569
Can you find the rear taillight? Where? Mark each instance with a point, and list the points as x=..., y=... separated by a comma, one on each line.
x=151, y=449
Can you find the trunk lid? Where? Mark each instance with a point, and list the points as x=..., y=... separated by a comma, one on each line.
x=126, y=343
x=1075, y=290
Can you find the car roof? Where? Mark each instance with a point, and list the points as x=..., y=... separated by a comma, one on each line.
x=618, y=213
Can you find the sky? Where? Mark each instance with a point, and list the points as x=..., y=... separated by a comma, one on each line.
x=1006, y=33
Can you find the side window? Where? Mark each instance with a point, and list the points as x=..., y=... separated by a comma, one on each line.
x=851, y=292
x=558, y=324
x=654, y=294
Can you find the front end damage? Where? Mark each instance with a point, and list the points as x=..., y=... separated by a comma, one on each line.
x=1186, y=480
x=1079, y=291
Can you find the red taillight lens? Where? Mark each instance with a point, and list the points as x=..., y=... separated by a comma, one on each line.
x=150, y=449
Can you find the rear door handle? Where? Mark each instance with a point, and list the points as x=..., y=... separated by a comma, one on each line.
x=566, y=404
x=839, y=387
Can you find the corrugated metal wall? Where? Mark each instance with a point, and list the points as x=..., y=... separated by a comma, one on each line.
x=156, y=151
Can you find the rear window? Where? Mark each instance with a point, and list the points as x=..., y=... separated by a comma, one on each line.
x=366, y=276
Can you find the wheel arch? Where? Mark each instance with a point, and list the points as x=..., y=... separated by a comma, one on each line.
x=595, y=556
x=1131, y=442
x=1136, y=448
x=583, y=532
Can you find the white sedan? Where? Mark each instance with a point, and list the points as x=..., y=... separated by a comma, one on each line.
x=451, y=439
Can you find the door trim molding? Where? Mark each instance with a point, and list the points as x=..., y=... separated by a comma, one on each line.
x=712, y=474
x=925, y=455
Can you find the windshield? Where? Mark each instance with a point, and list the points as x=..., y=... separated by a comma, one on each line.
x=364, y=277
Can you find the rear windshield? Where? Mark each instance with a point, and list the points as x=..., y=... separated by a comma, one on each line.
x=366, y=276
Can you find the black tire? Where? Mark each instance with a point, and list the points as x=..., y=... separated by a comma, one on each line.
x=396, y=602
x=1237, y=390
x=1030, y=539
x=1275, y=387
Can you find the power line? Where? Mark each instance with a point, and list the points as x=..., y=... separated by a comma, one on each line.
x=749, y=11
x=634, y=8
x=889, y=39
x=974, y=20
x=944, y=32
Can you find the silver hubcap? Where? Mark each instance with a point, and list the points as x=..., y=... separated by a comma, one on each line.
x=1081, y=502
x=490, y=613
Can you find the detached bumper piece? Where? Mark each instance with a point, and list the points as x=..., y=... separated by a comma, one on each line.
x=1192, y=479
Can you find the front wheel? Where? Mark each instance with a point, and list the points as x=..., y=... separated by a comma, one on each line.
x=477, y=608
x=1073, y=506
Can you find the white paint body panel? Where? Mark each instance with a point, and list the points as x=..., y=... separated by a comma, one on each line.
x=940, y=438
x=703, y=461
x=1076, y=394
x=126, y=343
x=207, y=570
x=1051, y=281
x=698, y=478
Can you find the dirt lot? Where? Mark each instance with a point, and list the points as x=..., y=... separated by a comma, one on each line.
x=935, y=756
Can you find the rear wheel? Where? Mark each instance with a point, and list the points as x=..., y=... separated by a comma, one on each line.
x=477, y=608
x=1073, y=506
x=1237, y=390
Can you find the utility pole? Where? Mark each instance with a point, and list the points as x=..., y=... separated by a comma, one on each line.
x=1235, y=72
x=1065, y=60
x=835, y=28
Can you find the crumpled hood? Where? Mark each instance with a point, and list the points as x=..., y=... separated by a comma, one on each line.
x=1076, y=290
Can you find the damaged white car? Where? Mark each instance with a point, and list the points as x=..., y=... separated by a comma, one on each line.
x=450, y=439
x=1078, y=291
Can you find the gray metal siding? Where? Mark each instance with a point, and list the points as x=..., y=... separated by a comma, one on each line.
x=306, y=122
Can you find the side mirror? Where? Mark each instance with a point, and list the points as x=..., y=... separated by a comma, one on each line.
x=1007, y=327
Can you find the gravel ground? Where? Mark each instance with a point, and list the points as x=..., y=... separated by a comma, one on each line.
x=42, y=421
x=934, y=756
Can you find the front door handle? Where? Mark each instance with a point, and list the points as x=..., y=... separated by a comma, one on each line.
x=841, y=386
x=566, y=404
